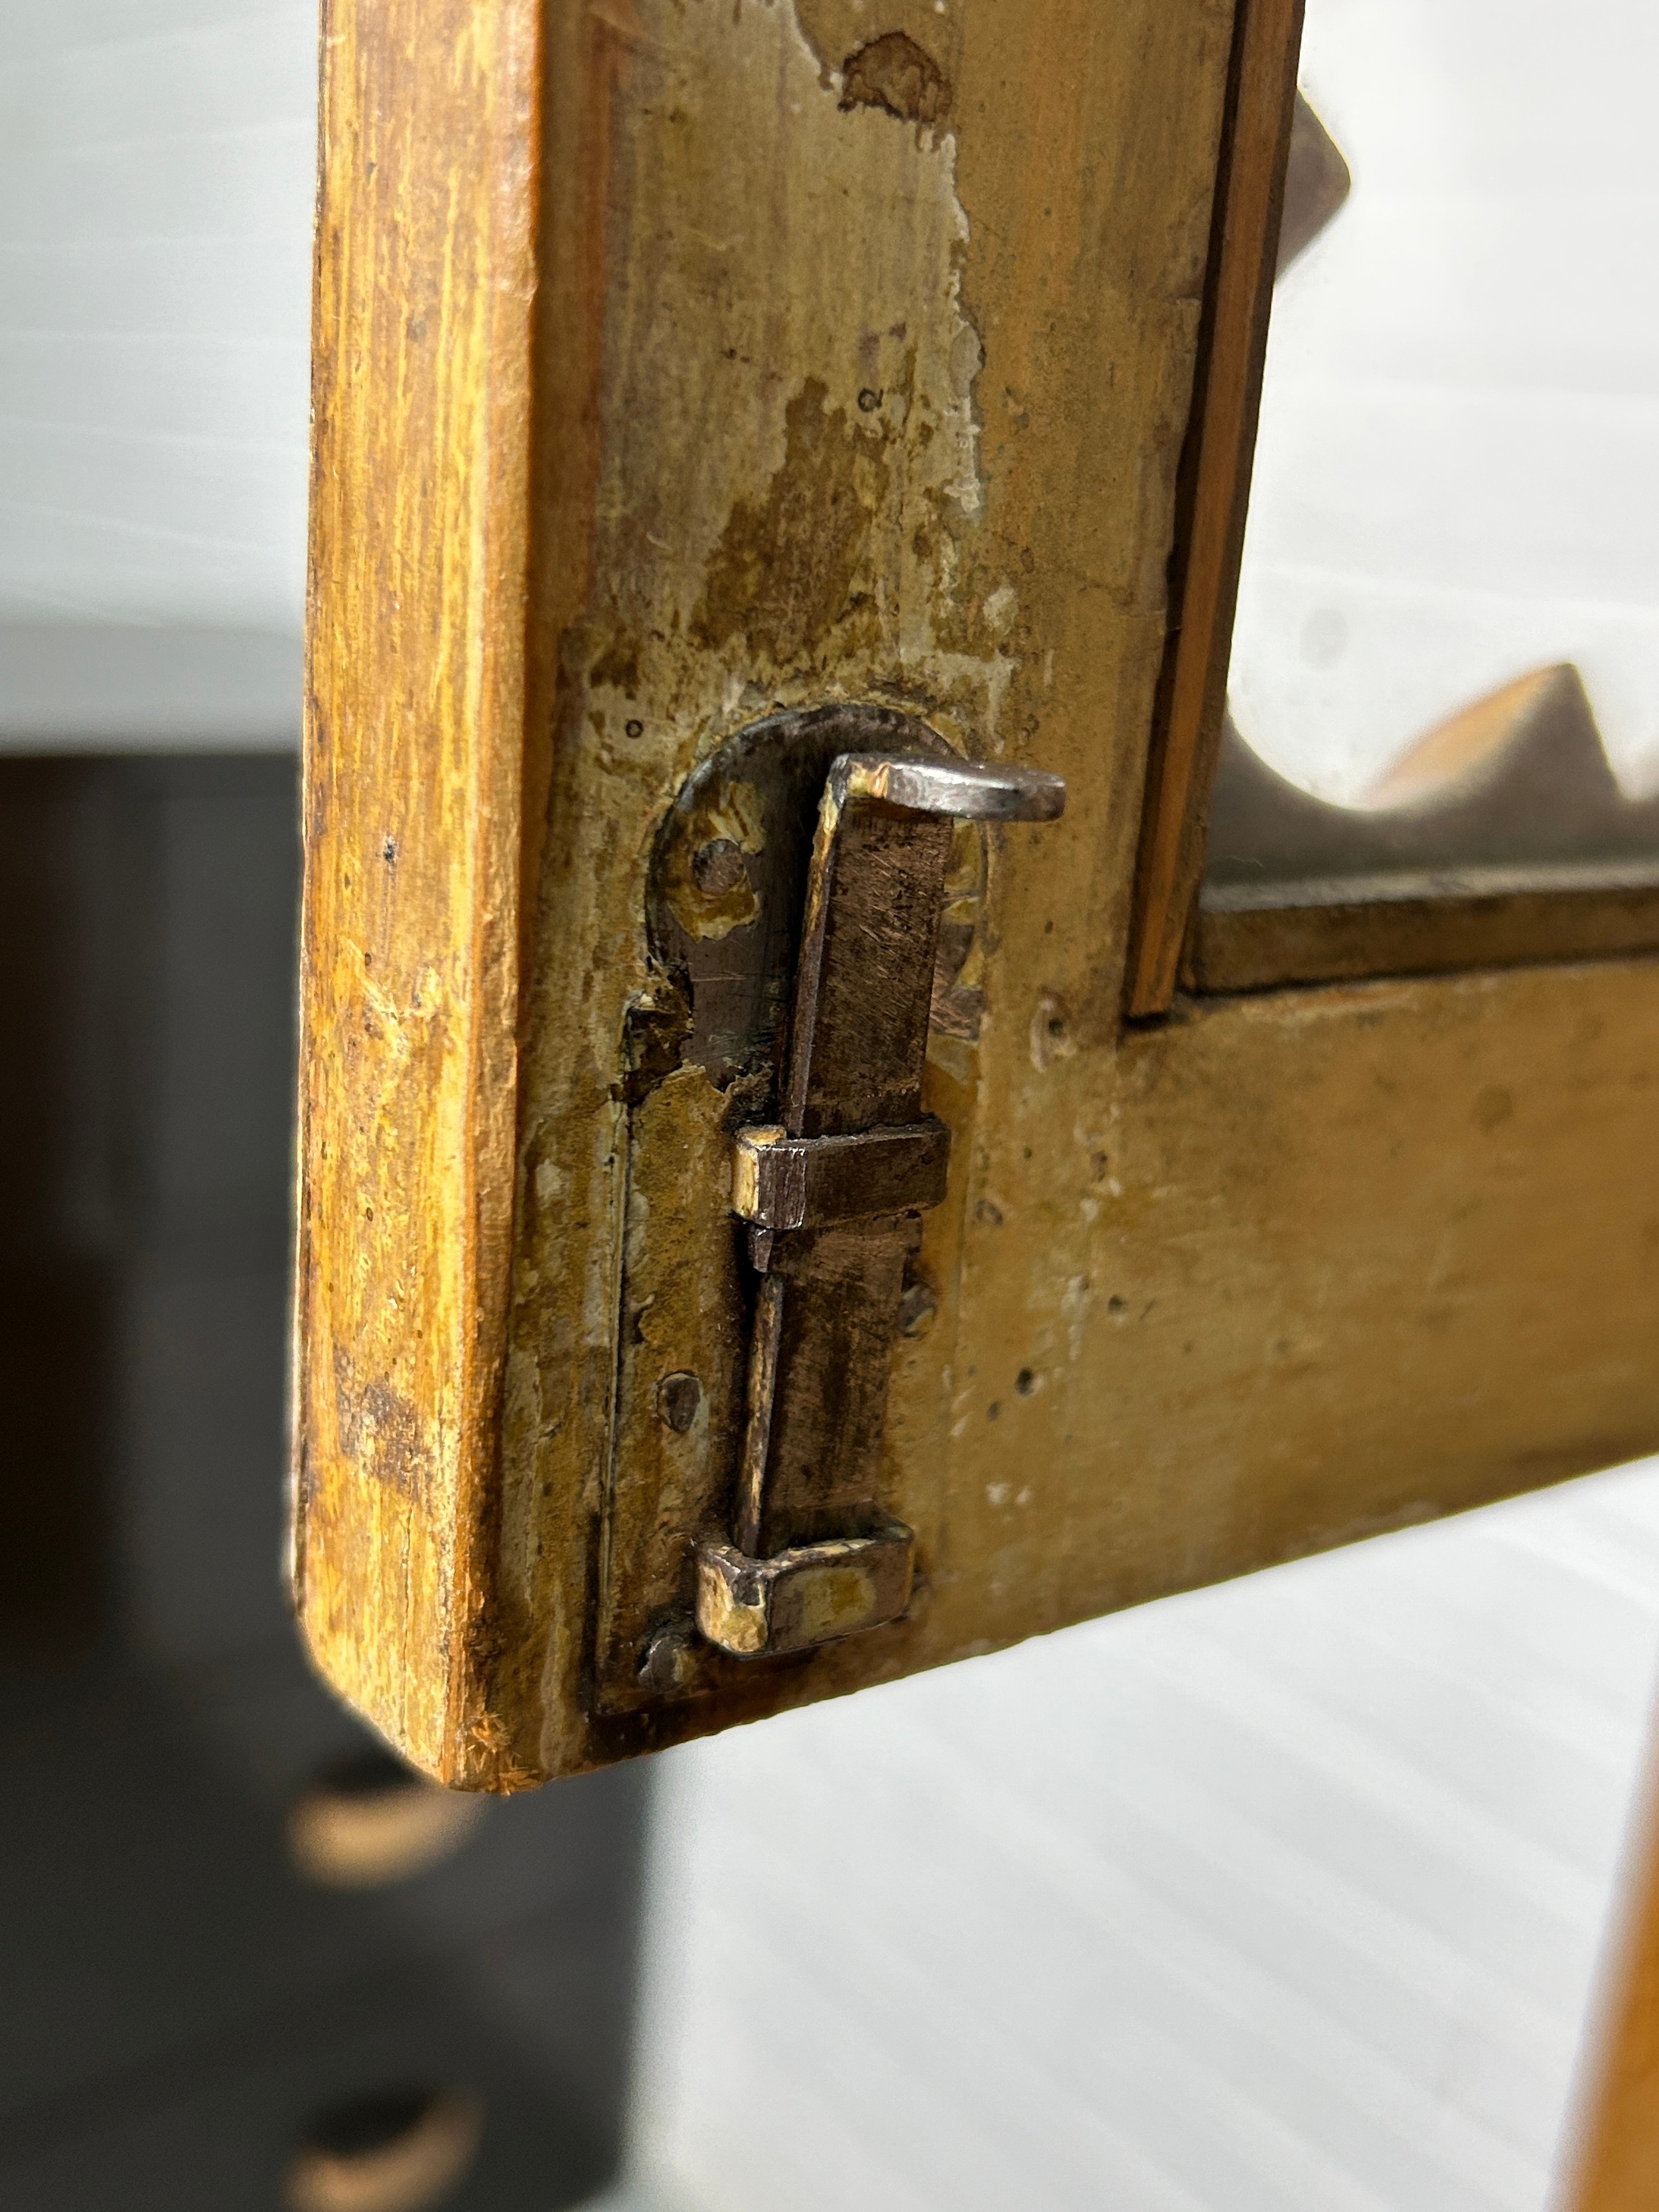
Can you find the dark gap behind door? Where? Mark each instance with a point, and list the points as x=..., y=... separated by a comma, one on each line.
x=177, y=2003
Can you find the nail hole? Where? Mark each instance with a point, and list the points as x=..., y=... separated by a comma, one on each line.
x=398, y=2150
x=678, y=1397
x=1025, y=1382
x=369, y=1819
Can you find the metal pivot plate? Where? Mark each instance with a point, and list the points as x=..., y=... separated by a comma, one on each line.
x=814, y=896
x=859, y=1164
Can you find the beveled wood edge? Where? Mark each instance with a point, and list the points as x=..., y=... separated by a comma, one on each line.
x=1253, y=937
x=1213, y=495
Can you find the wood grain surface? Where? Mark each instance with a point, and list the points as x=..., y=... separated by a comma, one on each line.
x=804, y=368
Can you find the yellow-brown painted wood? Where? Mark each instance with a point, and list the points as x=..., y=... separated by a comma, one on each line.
x=700, y=359
x=1617, y=2162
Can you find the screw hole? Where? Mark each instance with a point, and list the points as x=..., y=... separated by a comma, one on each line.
x=678, y=1397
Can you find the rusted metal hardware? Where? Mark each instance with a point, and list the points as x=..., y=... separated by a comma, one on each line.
x=833, y=1194
x=780, y=1182
x=806, y=1596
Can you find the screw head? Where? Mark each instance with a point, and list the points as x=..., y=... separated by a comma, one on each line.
x=668, y=1663
x=719, y=867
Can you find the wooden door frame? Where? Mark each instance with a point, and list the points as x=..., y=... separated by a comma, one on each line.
x=1212, y=1291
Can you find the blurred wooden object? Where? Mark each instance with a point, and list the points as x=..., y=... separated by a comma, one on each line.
x=1500, y=837
x=1518, y=780
x=1317, y=183
x=1618, y=2166
x=400, y=2152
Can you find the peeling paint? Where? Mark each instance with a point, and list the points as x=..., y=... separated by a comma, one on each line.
x=819, y=545
x=898, y=75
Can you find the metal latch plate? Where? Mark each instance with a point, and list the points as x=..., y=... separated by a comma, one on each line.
x=775, y=1537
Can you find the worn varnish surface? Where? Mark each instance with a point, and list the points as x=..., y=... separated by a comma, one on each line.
x=425, y=276
x=804, y=367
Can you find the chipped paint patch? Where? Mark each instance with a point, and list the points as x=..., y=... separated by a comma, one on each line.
x=817, y=550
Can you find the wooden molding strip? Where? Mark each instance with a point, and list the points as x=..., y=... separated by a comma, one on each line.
x=1214, y=495
x=1615, y=2164
x=1416, y=922
x=122, y=688
x=425, y=286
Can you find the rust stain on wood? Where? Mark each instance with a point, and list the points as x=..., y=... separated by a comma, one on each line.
x=1616, y=2166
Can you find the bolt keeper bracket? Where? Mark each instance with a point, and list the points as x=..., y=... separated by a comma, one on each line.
x=833, y=1196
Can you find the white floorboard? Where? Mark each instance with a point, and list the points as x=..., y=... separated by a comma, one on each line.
x=1286, y=1897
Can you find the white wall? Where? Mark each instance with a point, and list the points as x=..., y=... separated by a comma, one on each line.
x=156, y=185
